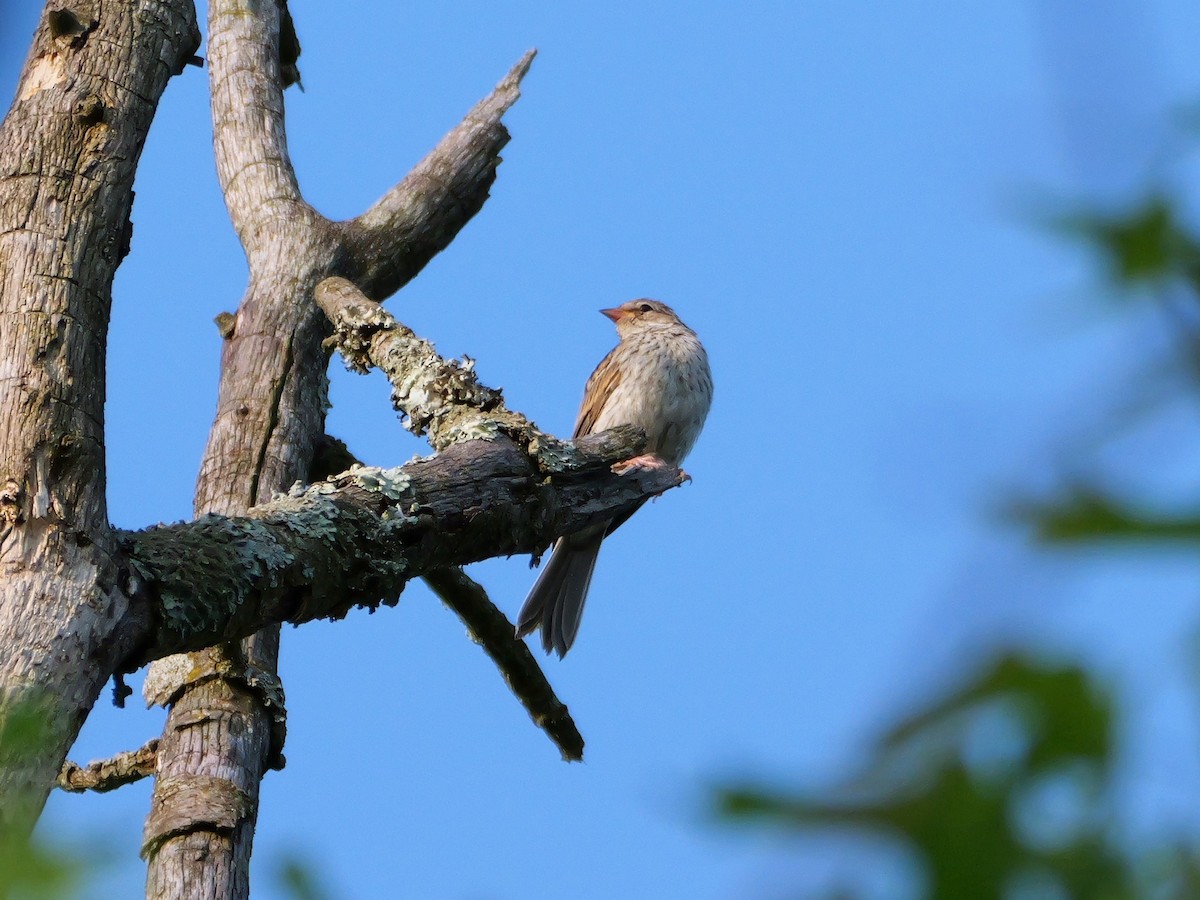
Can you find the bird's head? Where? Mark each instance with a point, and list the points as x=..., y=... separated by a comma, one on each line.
x=641, y=314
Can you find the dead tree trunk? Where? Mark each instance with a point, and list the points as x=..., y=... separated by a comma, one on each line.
x=226, y=724
x=68, y=150
x=80, y=603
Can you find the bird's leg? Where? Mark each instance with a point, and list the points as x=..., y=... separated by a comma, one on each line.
x=647, y=462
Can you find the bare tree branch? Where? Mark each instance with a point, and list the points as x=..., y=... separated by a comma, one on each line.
x=492, y=630
x=223, y=731
x=250, y=144
x=438, y=397
x=221, y=735
x=357, y=539
x=109, y=774
x=74, y=606
x=486, y=624
x=444, y=399
x=393, y=240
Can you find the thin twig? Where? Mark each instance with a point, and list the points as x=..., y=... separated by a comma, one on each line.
x=491, y=629
x=488, y=627
x=109, y=774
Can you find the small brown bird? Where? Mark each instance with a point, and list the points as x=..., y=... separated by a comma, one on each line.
x=656, y=378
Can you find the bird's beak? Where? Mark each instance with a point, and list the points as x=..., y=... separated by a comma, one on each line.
x=614, y=313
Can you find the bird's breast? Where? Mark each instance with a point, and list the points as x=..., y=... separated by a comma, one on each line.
x=667, y=394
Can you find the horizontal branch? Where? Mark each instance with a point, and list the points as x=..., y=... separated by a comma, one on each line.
x=357, y=539
x=109, y=774
x=393, y=240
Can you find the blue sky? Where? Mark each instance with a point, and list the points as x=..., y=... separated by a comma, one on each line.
x=842, y=198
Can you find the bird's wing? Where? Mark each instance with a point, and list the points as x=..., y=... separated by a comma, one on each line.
x=596, y=393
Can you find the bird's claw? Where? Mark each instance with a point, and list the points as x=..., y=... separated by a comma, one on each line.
x=647, y=462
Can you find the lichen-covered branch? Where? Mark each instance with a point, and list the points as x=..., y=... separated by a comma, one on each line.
x=393, y=240
x=357, y=539
x=438, y=397
x=109, y=774
x=492, y=630
x=486, y=624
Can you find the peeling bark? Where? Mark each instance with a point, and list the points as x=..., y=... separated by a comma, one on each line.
x=68, y=149
x=110, y=774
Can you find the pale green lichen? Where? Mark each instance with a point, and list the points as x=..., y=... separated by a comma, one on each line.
x=391, y=529
x=553, y=455
x=389, y=570
x=309, y=515
x=391, y=483
x=472, y=429
x=300, y=490
x=225, y=559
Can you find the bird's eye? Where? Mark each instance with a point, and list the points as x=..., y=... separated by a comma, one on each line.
x=645, y=307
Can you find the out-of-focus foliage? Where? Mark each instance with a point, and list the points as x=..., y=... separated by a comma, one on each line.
x=1152, y=254
x=29, y=869
x=1148, y=245
x=1001, y=789
x=1005, y=787
x=1087, y=514
x=298, y=878
x=48, y=869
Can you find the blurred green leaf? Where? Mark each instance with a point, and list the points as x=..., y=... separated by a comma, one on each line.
x=1066, y=714
x=23, y=724
x=1146, y=245
x=298, y=879
x=29, y=870
x=963, y=823
x=1086, y=515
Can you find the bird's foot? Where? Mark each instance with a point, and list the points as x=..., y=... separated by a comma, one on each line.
x=647, y=462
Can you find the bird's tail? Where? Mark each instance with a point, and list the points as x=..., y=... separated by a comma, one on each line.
x=556, y=600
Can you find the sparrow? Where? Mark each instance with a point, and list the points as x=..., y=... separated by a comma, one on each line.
x=656, y=378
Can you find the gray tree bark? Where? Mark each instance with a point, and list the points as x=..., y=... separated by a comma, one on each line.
x=68, y=150
x=81, y=603
x=226, y=724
